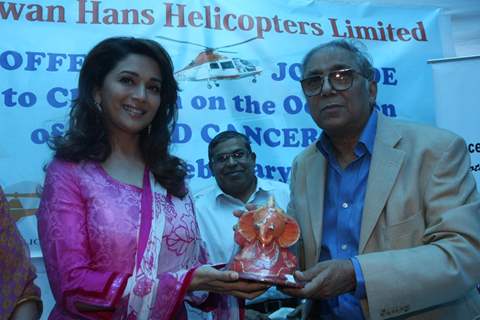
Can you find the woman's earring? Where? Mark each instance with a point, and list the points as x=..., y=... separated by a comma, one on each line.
x=98, y=106
x=149, y=129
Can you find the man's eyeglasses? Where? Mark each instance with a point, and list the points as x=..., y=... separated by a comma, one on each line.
x=339, y=80
x=237, y=156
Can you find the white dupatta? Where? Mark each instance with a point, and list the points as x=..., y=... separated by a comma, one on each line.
x=143, y=294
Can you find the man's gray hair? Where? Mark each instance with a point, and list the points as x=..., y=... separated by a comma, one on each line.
x=361, y=57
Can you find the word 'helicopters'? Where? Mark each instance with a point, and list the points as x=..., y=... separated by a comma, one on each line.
x=211, y=66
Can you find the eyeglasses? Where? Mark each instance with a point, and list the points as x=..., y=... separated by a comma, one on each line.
x=237, y=156
x=339, y=80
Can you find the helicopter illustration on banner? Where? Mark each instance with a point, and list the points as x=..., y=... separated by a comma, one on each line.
x=211, y=66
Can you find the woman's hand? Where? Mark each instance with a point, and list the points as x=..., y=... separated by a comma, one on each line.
x=207, y=278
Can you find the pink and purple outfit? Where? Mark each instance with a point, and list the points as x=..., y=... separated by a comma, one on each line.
x=93, y=236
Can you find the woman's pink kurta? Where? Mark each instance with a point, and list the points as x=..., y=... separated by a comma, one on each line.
x=88, y=225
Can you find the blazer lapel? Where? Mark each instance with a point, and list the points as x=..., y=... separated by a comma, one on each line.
x=384, y=168
x=317, y=165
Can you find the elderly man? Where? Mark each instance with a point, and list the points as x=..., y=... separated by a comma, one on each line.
x=389, y=211
x=232, y=163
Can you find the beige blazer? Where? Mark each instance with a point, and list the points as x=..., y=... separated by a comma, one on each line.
x=419, y=244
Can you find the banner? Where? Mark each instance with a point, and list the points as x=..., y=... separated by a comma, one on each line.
x=457, y=102
x=251, y=85
x=238, y=66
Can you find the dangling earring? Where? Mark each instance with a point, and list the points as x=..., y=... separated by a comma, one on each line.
x=149, y=128
x=98, y=106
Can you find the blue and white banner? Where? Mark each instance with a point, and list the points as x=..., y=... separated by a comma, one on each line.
x=238, y=65
x=457, y=102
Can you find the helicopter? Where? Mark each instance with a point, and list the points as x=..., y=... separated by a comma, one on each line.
x=211, y=66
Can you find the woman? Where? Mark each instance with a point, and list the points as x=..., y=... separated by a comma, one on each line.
x=19, y=297
x=116, y=223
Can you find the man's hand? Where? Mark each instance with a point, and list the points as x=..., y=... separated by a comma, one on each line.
x=248, y=206
x=207, y=278
x=239, y=213
x=326, y=279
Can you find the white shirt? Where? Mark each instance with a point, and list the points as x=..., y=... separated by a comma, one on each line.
x=214, y=211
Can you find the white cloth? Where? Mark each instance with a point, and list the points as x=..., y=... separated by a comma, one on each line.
x=141, y=300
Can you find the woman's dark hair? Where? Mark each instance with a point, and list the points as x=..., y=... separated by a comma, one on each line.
x=87, y=135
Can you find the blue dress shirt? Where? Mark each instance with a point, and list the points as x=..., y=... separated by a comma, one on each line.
x=342, y=215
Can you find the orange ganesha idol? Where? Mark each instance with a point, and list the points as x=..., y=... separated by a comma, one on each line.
x=264, y=236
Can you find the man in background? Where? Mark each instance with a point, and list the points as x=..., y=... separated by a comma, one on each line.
x=232, y=163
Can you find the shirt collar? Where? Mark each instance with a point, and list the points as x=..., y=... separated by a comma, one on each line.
x=366, y=140
x=218, y=191
x=368, y=134
x=262, y=185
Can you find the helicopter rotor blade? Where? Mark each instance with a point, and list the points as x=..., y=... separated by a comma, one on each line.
x=225, y=51
x=236, y=44
x=186, y=42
